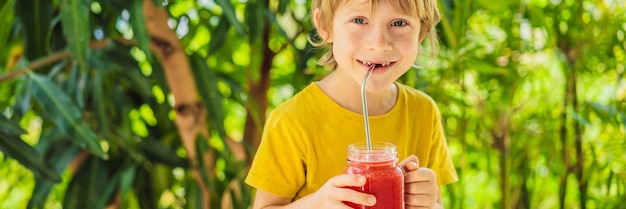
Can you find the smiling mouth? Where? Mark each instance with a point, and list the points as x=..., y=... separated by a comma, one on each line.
x=375, y=65
x=370, y=64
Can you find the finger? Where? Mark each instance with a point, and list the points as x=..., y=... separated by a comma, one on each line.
x=421, y=188
x=420, y=175
x=421, y=200
x=356, y=197
x=415, y=207
x=410, y=163
x=347, y=180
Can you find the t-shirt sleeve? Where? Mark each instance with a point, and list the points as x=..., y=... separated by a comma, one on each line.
x=278, y=166
x=441, y=161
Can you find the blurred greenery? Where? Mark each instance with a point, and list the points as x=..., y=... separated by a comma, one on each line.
x=532, y=92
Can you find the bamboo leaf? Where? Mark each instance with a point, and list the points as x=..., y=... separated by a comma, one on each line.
x=193, y=194
x=13, y=146
x=60, y=155
x=219, y=35
x=87, y=185
x=282, y=6
x=6, y=18
x=35, y=16
x=75, y=21
x=202, y=147
x=157, y=152
x=64, y=113
x=606, y=113
x=139, y=27
x=255, y=20
x=121, y=180
x=229, y=11
x=138, y=82
x=8, y=127
x=100, y=102
x=274, y=22
x=212, y=97
x=126, y=183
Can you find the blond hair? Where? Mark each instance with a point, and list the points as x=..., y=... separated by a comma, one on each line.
x=425, y=10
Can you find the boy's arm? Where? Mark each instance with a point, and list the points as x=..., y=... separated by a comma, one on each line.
x=329, y=196
x=268, y=201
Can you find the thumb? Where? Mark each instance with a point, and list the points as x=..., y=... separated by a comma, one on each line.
x=410, y=163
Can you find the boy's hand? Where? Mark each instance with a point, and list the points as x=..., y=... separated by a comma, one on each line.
x=420, y=185
x=333, y=193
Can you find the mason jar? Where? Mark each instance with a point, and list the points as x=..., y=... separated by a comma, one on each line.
x=385, y=179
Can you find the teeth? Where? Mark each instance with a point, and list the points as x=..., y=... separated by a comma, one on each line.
x=369, y=63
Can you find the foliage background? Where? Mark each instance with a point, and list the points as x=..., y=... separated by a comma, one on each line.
x=532, y=92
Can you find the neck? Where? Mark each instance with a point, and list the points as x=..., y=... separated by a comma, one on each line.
x=347, y=93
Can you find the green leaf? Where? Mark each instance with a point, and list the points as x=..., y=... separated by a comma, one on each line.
x=35, y=16
x=126, y=183
x=100, y=101
x=274, y=22
x=64, y=113
x=219, y=35
x=138, y=82
x=8, y=127
x=244, y=98
x=157, y=152
x=122, y=179
x=75, y=21
x=579, y=118
x=202, y=147
x=282, y=6
x=87, y=185
x=13, y=146
x=606, y=113
x=6, y=18
x=140, y=30
x=207, y=80
x=60, y=155
x=193, y=195
x=255, y=20
x=229, y=11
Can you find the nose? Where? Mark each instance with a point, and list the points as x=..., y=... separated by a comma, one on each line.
x=378, y=40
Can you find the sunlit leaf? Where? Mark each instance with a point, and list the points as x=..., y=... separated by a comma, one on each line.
x=219, y=35
x=13, y=146
x=229, y=11
x=140, y=30
x=206, y=80
x=60, y=155
x=159, y=153
x=6, y=18
x=606, y=113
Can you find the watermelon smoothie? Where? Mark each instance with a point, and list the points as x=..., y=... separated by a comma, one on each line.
x=385, y=179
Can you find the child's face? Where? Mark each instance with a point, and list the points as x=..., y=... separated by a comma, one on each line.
x=382, y=35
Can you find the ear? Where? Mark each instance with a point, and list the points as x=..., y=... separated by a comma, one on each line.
x=423, y=34
x=321, y=29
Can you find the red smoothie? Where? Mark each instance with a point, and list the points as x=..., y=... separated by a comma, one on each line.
x=385, y=179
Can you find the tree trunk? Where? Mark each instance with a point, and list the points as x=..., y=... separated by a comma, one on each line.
x=190, y=114
x=252, y=133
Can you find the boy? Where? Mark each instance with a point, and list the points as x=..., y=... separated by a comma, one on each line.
x=303, y=147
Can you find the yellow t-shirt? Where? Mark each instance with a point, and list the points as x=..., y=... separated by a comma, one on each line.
x=305, y=140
